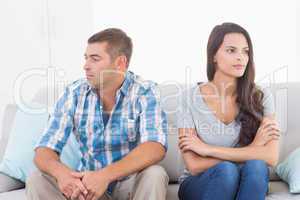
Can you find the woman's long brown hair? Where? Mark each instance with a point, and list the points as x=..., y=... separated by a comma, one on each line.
x=249, y=97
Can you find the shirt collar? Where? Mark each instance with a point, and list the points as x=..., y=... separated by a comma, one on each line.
x=129, y=78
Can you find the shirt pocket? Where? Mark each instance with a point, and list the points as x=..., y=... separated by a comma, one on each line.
x=130, y=129
x=121, y=135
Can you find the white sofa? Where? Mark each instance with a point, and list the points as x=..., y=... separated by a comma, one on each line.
x=287, y=98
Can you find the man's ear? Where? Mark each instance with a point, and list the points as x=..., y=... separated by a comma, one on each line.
x=121, y=62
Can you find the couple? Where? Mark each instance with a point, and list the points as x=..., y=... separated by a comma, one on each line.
x=121, y=128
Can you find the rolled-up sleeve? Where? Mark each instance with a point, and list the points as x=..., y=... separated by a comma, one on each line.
x=153, y=120
x=60, y=124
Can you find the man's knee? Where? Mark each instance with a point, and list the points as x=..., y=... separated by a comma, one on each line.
x=34, y=183
x=151, y=183
x=155, y=172
x=40, y=186
x=37, y=183
x=35, y=179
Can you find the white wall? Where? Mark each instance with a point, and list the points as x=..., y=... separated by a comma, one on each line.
x=170, y=36
x=298, y=35
x=38, y=38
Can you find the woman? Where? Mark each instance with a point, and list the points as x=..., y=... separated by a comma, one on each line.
x=227, y=130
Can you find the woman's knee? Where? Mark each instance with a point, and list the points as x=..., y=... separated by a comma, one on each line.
x=227, y=168
x=257, y=167
x=227, y=172
x=256, y=171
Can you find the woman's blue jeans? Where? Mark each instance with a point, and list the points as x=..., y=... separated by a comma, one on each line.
x=228, y=181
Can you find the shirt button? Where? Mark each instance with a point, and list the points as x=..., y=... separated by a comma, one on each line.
x=90, y=152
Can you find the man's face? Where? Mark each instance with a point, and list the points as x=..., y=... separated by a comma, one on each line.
x=99, y=68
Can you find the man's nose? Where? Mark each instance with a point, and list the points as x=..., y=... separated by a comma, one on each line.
x=86, y=66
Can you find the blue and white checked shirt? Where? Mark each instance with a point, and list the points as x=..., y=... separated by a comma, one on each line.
x=136, y=118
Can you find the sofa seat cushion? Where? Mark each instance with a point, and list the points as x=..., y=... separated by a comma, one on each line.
x=14, y=195
x=7, y=183
x=279, y=190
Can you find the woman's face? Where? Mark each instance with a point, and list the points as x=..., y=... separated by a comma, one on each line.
x=232, y=57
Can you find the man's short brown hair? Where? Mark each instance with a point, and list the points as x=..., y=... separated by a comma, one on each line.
x=118, y=43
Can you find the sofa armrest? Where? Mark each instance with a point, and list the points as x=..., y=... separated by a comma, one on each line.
x=8, y=118
x=7, y=183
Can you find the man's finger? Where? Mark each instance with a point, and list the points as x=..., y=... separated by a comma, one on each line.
x=81, y=197
x=90, y=195
x=82, y=188
x=77, y=174
x=94, y=197
x=75, y=194
x=67, y=192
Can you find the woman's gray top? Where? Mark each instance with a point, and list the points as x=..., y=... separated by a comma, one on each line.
x=195, y=113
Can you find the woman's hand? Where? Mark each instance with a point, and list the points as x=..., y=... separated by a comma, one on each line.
x=269, y=130
x=191, y=142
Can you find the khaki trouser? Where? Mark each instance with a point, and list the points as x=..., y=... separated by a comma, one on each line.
x=149, y=184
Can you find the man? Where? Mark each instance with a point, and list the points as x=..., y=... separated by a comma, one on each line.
x=119, y=124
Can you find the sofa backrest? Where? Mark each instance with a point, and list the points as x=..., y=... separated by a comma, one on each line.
x=287, y=103
x=287, y=97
